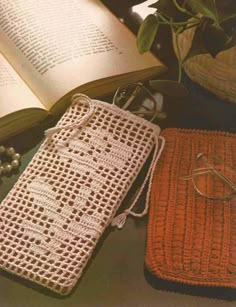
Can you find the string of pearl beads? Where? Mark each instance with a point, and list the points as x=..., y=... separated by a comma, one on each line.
x=12, y=160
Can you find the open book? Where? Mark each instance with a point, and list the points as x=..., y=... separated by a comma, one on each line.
x=51, y=49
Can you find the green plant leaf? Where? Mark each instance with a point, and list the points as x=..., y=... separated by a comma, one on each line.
x=229, y=27
x=226, y=9
x=168, y=8
x=206, y=8
x=214, y=38
x=169, y=88
x=197, y=46
x=147, y=33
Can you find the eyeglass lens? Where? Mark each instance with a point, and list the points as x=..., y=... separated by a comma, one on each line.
x=213, y=178
x=137, y=99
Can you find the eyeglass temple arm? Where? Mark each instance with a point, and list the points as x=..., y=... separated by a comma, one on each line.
x=202, y=171
x=221, y=175
x=198, y=172
x=131, y=98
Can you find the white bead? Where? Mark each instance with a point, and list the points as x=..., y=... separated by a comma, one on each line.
x=13, y=156
x=10, y=151
x=8, y=168
x=2, y=149
x=15, y=164
x=16, y=156
x=2, y=170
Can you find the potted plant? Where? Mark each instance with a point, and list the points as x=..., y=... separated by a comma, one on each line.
x=204, y=40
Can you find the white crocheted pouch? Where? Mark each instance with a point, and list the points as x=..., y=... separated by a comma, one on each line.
x=54, y=215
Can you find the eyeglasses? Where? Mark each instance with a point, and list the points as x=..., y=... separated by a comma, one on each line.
x=136, y=98
x=213, y=178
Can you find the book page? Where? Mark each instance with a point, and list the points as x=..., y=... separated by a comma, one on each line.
x=57, y=46
x=14, y=94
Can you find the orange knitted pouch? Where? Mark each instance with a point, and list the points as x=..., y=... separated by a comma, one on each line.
x=191, y=239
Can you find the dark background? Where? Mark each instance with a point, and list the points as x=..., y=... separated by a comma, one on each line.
x=116, y=274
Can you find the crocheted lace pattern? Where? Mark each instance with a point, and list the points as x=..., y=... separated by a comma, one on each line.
x=53, y=217
x=191, y=239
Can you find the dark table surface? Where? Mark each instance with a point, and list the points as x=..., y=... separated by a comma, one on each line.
x=115, y=276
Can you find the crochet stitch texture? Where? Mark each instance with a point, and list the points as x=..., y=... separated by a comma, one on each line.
x=53, y=217
x=191, y=239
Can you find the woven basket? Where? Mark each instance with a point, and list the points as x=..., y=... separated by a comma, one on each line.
x=217, y=75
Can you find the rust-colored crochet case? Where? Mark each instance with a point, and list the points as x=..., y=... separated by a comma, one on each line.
x=191, y=239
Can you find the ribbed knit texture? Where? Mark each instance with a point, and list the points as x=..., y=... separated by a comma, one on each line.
x=191, y=239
